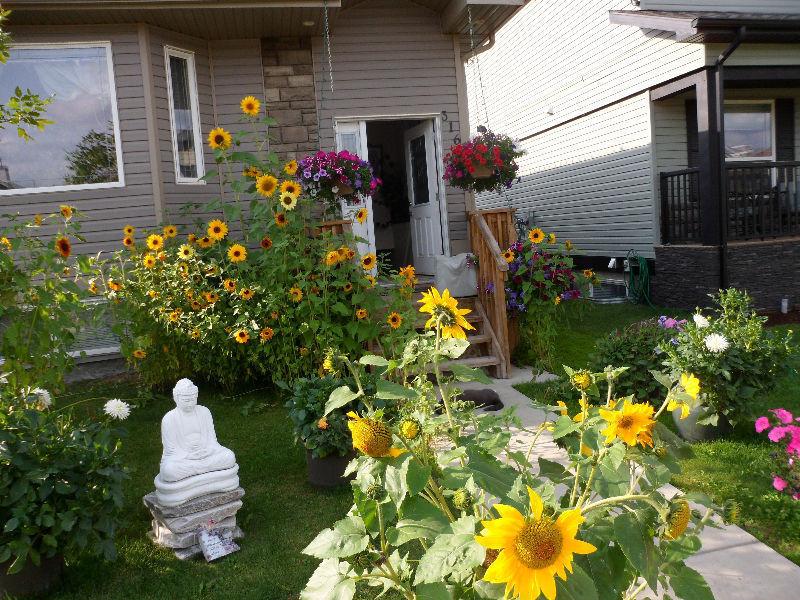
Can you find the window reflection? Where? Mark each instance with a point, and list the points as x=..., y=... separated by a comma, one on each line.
x=748, y=131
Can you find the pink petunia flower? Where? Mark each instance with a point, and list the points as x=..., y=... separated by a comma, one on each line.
x=779, y=484
x=762, y=423
x=777, y=433
x=783, y=415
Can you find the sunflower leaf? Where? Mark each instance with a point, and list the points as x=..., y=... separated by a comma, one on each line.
x=451, y=556
x=388, y=390
x=637, y=544
x=329, y=583
x=688, y=584
x=578, y=586
x=340, y=397
x=346, y=538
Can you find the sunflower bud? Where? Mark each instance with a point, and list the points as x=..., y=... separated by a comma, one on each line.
x=374, y=491
x=409, y=429
x=582, y=380
x=462, y=499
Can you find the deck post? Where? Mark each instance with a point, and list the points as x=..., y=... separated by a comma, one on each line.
x=710, y=159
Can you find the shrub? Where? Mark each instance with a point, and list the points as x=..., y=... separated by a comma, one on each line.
x=731, y=353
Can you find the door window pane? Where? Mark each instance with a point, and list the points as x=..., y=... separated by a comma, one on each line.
x=185, y=122
x=419, y=170
x=80, y=147
x=748, y=131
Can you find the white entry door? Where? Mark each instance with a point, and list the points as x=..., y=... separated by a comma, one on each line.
x=352, y=136
x=422, y=169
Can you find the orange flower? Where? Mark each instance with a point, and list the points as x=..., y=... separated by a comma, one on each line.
x=128, y=242
x=266, y=242
x=114, y=286
x=394, y=320
x=63, y=246
x=322, y=423
x=280, y=219
x=139, y=353
x=66, y=211
x=266, y=334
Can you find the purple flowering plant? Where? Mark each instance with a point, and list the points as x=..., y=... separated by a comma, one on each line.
x=331, y=176
x=783, y=428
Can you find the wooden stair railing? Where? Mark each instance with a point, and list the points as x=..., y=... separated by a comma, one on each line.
x=491, y=232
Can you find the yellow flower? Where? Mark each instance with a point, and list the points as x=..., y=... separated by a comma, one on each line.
x=409, y=429
x=66, y=211
x=562, y=408
x=368, y=261
x=568, y=245
x=155, y=242
x=280, y=219
x=533, y=549
x=38, y=220
x=241, y=336
x=114, y=286
x=322, y=423
x=371, y=279
x=93, y=289
x=444, y=311
x=678, y=519
x=247, y=294
x=63, y=246
x=296, y=294
x=185, y=251
x=347, y=287
x=633, y=424
x=252, y=172
x=139, y=353
x=217, y=230
x=584, y=404
x=509, y=256
x=237, y=253
x=551, y=238
x=229, y=285
x=361, y=215
x=331, y=258
x=409, y=273
x=170, y=231
x=536, y=236
x=149, y=261
x=394, y=320
x=557, y=300
x=153, y=294
x=588, y=273
x=211, y=297
x=129, y=230
x=250, y=106
x=266, y=185
x=205, y=242
x=128, y=242
x=582, y=380
x=219, y=139
x=288, y=202
x=290, y=187
x=371, y=437
x=361, y=314
x=290, y=168
x=195, y=334
x=6, y=243
x=690, y=385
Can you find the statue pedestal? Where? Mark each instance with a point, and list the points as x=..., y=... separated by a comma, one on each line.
x=176, y=527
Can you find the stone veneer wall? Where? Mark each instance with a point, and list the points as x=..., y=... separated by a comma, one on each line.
x=768, y=270
x=289, y=94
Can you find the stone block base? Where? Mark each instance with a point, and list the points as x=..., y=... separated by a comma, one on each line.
x=176, y=527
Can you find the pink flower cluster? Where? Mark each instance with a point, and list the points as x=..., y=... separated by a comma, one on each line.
x=782, y=428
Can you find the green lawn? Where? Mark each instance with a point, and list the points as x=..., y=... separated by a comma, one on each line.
x=737, y=468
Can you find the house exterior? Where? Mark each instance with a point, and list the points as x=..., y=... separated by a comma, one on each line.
x=138, y=85
x=666, y=127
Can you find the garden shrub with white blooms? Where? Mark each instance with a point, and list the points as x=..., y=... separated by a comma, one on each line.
x=444, y=506
x=732, y=353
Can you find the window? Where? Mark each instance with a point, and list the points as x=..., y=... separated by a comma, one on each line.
x=187, y=144
x=81, y=149
x=749, y=131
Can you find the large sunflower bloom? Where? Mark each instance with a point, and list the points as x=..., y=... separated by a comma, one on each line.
x=443, y=308
x=372, y=437
x=290, y=187
x=63, y=246
x=361, y=215
x=217, y=230
x=266, y=185
x=237, y=253
x=368, y=261
x=250, y=106
x=290, y=168
x=633, y=424
x=533, y=550
x=155, y=242
x=536, y=236
x=220, y=139
x=288, y=202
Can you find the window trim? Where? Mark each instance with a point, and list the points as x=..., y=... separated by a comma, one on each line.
x=194, y=99
x=773, y=140
x=112, y=88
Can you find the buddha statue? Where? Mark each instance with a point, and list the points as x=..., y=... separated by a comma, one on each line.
x=193, y=462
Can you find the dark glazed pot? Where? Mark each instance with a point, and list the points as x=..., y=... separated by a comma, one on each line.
x=32, y=579
x=329, y=471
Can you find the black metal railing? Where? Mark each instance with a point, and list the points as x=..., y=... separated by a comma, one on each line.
x=762, y=202
x=680, y=207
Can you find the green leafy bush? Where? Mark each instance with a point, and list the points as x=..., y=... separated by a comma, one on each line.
x=732, y=353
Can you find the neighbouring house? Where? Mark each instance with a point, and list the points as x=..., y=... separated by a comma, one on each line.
x=138, y=85
x=666, y=127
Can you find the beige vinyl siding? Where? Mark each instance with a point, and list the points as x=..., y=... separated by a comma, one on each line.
x=669, y=135
x=591, y=181
x=749, y=55
x=390, y=57
x=106, y=210
x=747, y=6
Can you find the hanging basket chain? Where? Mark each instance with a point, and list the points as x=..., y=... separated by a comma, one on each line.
x=328, y=43
x=475, y=60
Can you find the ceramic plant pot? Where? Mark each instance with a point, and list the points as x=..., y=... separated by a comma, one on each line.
x=328, y=471
x=692, y=432
x=32, y=579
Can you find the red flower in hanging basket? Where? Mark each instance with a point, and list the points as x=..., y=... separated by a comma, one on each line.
x=487, y=162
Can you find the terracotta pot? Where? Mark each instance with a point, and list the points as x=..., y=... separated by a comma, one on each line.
x=692, y=432
x=329, y=471
x=32, y=579
x=482, y=172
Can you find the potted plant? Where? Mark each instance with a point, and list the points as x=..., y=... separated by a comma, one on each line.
x=486, y=163
x=331, y=176
x=326, y=438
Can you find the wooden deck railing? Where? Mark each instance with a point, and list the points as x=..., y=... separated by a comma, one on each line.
x=491, y=233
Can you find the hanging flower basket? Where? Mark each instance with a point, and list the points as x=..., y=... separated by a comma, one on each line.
x=487, y=162
x=332, y=177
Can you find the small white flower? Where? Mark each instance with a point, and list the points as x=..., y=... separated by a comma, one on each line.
x=117, y=409
x=43, y=398
x=700, y=321
x=335, y=189
x=716, y=343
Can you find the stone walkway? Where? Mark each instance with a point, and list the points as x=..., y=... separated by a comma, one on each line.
x=736, y=565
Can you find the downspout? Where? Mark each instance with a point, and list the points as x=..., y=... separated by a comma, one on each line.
x=741, y=32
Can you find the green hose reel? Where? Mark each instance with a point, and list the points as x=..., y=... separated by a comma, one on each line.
x=638, y=278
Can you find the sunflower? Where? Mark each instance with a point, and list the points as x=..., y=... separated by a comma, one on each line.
x=288, y=201
x=63, y=246
x=444, y=311
x=291, y=187
x=174, y=316
x=332, y=258
x=347, y=287
x=633, y=424
x=229, y=285
x=196, y=305
x=250, y=106
x=211, y=297
x=280, y=219
x=368, y=261
x=266, y=185
x=93, y=289
x=219, y=139
x=342, y=252
x=266, y=243
x=371, y=437
x=568, y=245
x=296, y=294
x=247, y=294
x=266, y=334
x=409, y=273
x=6, y=243
x=149, y=261
x=217, y=230
x=509, y=256
x=155, y=242
x=205, y=242
x=195, y=335
x=371, y=280
x=139, y=353
x=237, y=253
x=170, y=231
x=114, y=286
x=361, y=215
x=394, y=320
x=241, y=336
x=678, y=519
x=38, y=220
x=533, y=549
x=361, y=314
x=536, y=236
x=290, y=168
x=128, y=242
x=185, y=251
x=66, y=211
x=588, y=273
x=252, y=172
x=551, y=238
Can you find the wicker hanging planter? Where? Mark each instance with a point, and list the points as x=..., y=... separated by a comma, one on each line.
x=487, y=162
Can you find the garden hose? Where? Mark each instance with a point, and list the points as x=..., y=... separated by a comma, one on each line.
x=638, y=278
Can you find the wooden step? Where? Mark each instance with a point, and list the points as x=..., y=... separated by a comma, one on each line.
x=479, y=338
x=475, y=362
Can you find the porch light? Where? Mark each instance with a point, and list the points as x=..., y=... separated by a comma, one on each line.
x=308, y=23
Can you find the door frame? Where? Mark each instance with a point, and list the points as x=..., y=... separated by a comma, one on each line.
x=437, y=136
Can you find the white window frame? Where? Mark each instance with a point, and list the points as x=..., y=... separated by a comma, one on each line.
x=112, y=89
x=188, y=56
x=773, y=156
